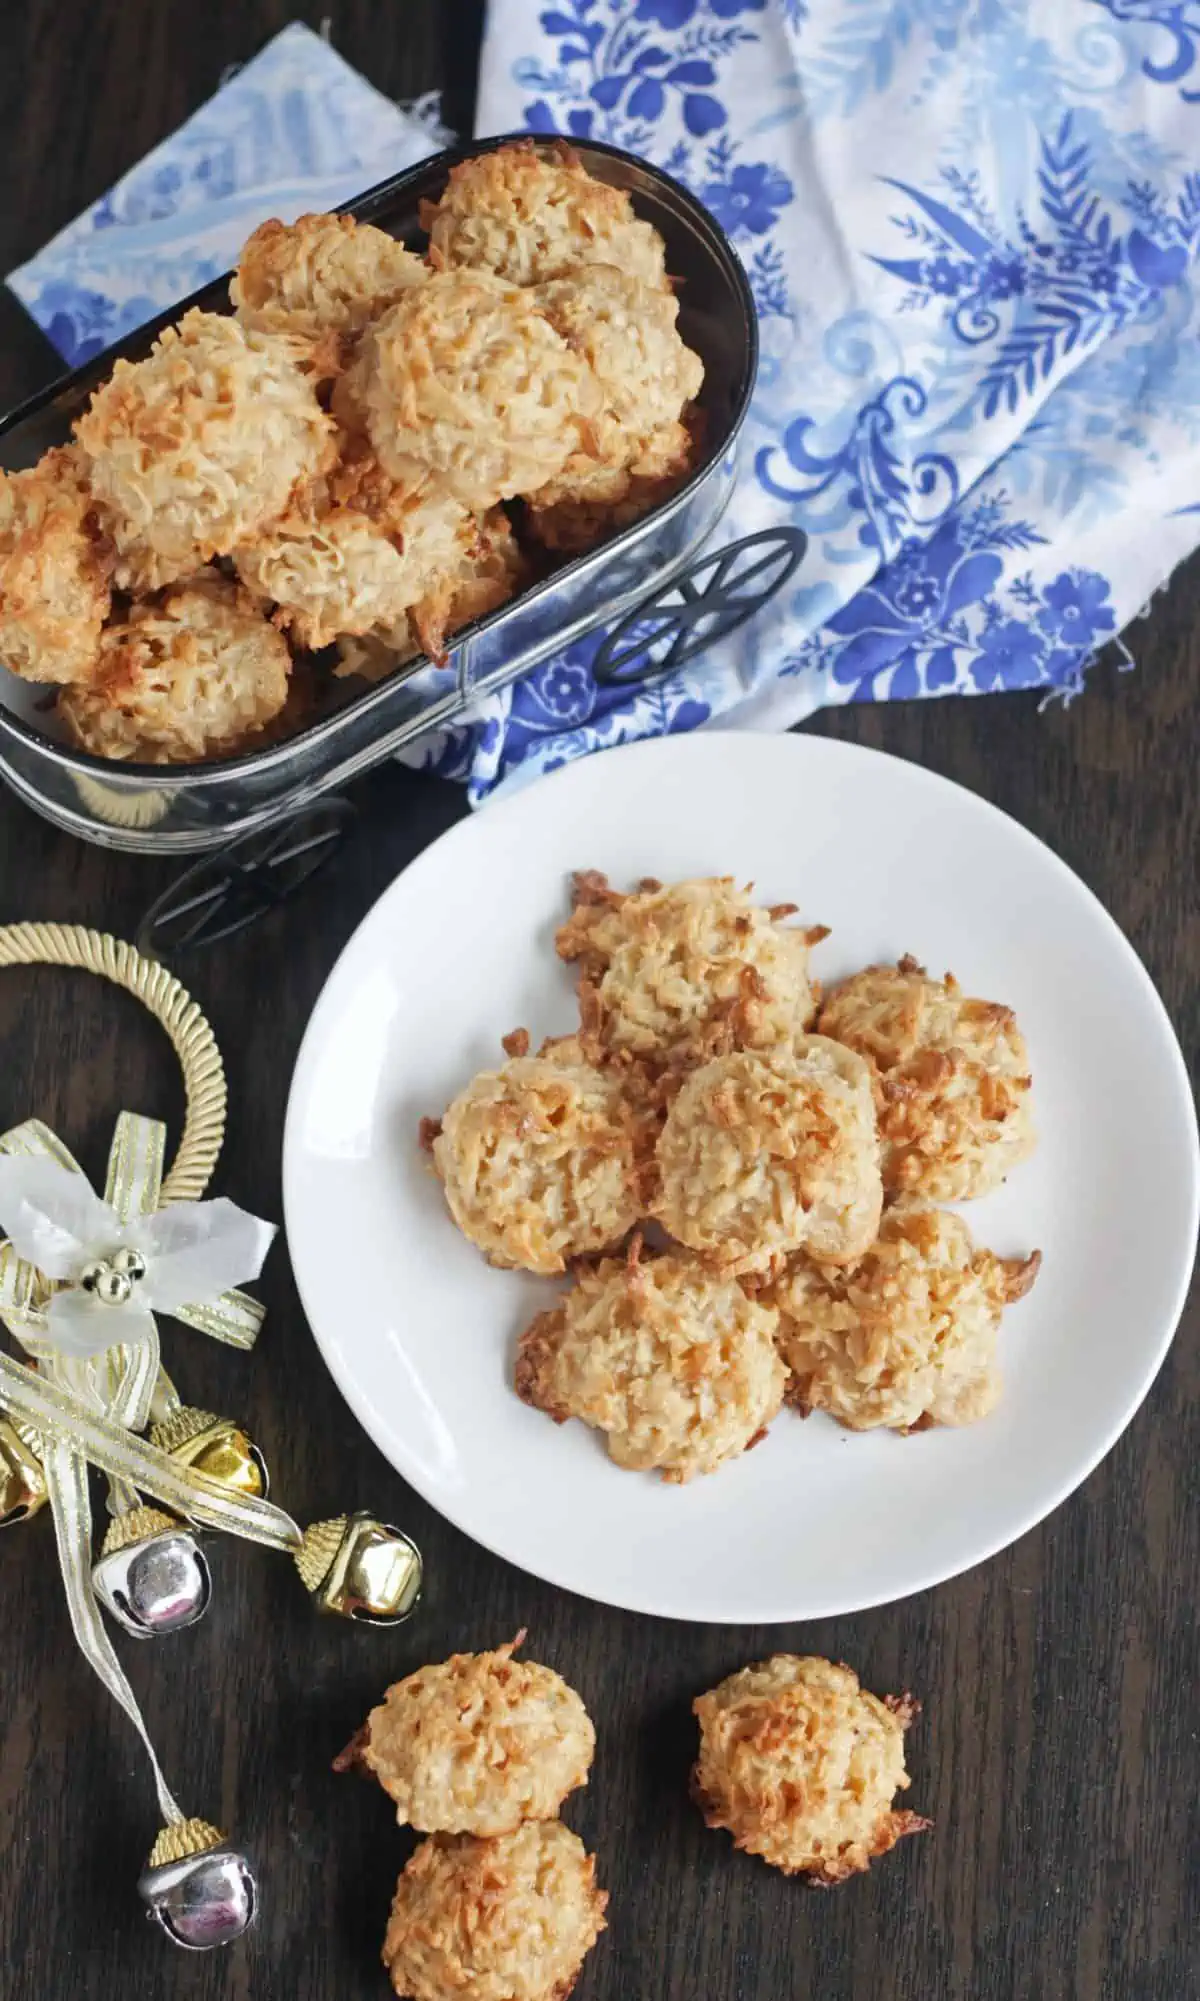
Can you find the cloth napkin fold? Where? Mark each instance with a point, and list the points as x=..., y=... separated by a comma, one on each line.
x=295, y=130
x=971, y=228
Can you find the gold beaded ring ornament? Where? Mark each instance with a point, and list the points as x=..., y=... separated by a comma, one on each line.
x=81, y=1280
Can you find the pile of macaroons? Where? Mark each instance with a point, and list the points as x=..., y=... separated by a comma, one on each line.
x=329, y=466
x=740, y=1174
x=478, y=1753
x=797, y=1761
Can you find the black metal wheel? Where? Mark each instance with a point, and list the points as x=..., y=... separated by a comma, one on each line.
x=711, y=598
x=223, y=892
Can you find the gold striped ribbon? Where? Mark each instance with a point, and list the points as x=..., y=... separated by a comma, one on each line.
x=58, y=1413
x=88, y=1409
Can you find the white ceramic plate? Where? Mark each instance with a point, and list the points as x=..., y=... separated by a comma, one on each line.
x=419, y=1333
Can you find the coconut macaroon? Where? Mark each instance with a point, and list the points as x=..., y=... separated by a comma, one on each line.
x=375, y=656
x=627, y=333
x=189, y=676
x=907, y=1336
x=489, y=568
x=800, y=1765
x=674, y=1364
x=955, y=1113
x=489, y=572
x=509, y=1919
x=686, y=970
x=530, y=212
x=590, y=500
x=322, y=273
x=763, y=1154
x=477, y=1744
x=201, y=445
x=333, y=569
x=54, y=595
x=542, y=1161
x=466, y=381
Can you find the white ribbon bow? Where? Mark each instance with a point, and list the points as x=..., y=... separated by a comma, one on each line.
x=193, y=1252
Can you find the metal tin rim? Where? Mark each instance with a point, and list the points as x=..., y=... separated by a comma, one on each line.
x=229, y=770
x=308, y=789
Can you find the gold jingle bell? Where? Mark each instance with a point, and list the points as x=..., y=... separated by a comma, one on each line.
x=197, y=1888
x=215, y=1446
x=23, y=1487
x=361, y=1568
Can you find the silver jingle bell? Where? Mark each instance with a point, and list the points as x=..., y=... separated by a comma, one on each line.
x=203, y=1897
x=152, y=1574
x=90, y=1276
x=129, y=1262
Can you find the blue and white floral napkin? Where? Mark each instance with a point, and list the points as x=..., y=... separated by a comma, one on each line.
x=972, y=228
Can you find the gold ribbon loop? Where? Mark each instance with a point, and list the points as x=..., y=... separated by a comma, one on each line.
x=31, y=1136
x=22, y=1291
x=131, y=1375
x=133, y=1185
x=234, y=1318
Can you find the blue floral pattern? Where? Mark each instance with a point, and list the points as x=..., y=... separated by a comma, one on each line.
x=891, y=495
x=948, y=615
x=1060, y=282
x=971, y=228
x=1173, y=37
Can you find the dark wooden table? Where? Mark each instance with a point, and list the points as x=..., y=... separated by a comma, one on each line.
x=1058, y=1754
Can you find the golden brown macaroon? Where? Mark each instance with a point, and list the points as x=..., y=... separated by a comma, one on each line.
x=54, y=567
x=955, y=1113
x=530, y=211
x=491, y=569
x=686, y=971
x=763, y=1154
x=486, y=575
x=591, y=501
x=674, y=1364
x=375, y=656
x=627, y=334
x=542, y=1161
x=510, y=1919
x=192, y=675
x=465, y=381
x=477, y=1744
x=320, y=274
x=201, y=446
x=907, y=1336
x=801, y=1765
x=334, y=569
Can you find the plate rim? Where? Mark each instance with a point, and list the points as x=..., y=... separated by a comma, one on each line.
x=648, y=750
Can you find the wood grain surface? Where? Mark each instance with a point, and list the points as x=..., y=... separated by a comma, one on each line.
x=1058, y=1749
